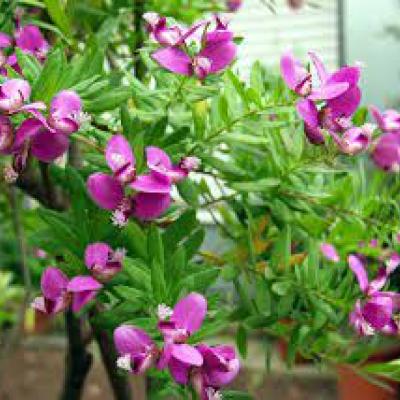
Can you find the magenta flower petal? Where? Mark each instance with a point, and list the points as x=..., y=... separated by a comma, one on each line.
x=13, y=93
x=293, y=72
x=30, y=39
x=53, y=283
x=329, y=91
x=131, y=340
x=314, y=134
x=6, y=134
x=150, y=206
x=83, y=284
x=152, y=184
x=355, y=140
x=174, y=60
x=346, y=104
x=351, y=75
x=392, y=263
x=190, y=312
x=386, y=154
x=322, y=72
x=359, y=271
x=119, y=153
x=29, y=128
x=157, y=157
x=97, y=254
x=329, y=252
x=84, y=289
x=65, y=109
x=233, y=5
x=137, y=345
x=5, y=40
x=389, y=121
x=378, y=311
x=308, y=112
x=221, y=364
x=105, y=190
x=187, y=354
x=179, y=371
x=220, y=54
x=47, y=146
x=379, y=282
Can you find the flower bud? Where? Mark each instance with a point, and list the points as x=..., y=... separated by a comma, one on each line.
x=234, y=5
x=295, y=4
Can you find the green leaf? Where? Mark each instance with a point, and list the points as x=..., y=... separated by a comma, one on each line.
x=109, y=100
x=236, y=395
x=56, y=12
x=46, y=85
x=30, y=66
x=155, y=246
x=262, y=185
x=241, y=340
x=299, y=334
x=189, y=192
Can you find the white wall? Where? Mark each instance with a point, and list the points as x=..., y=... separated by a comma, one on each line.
x=366, y=41
x=267, y=35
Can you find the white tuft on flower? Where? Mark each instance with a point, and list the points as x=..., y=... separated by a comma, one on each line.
x=118, y=218
x=119, y=254
x=164, y=312
x=213, y=394
x=118, y=159
x=124, y=362
x=10, y=175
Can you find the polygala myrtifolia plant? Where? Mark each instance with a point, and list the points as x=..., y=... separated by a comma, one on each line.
x=123, y=125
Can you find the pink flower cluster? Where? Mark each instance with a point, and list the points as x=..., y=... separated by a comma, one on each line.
x=329, y=106
x=44, y=138
x=206, y=368
x=386, y=152
x=151, y=195
x=29, y=39
x=215, y=49
x=375, y=311
x=58, y=292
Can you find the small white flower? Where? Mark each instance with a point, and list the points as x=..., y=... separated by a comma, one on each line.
x=119, y=219
x=164, y=312
x=124, y=362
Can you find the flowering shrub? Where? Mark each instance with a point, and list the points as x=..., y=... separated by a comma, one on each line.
x=126, y=126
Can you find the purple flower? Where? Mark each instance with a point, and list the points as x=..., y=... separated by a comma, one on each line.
x=375, y=314
x=234, y=5
x=83, y=290
x=330, y=253
x=388, y=121
x=30, y=40
x=220, y=367
x=354, y=140
x=54, y=289
x=217, y=51
x=6, y=134
x=386, y=154
x=13, y=94
x=153, y=189
x=58, y=292
x=102, y=261
x=339, y=94
x=66, y=112
x=187, y=318
x=136, y=349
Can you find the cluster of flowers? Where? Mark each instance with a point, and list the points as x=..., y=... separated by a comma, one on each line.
x=375, y=312
x=151, y=195
x=206, y=368
x=329, y=107
x=44, y=138
x=58, y=292
x=29, y=39
x=193, y=51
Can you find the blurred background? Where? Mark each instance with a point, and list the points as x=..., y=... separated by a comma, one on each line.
x=343, y=32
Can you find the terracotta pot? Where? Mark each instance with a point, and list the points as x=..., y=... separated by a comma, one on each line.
x=352, y=386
